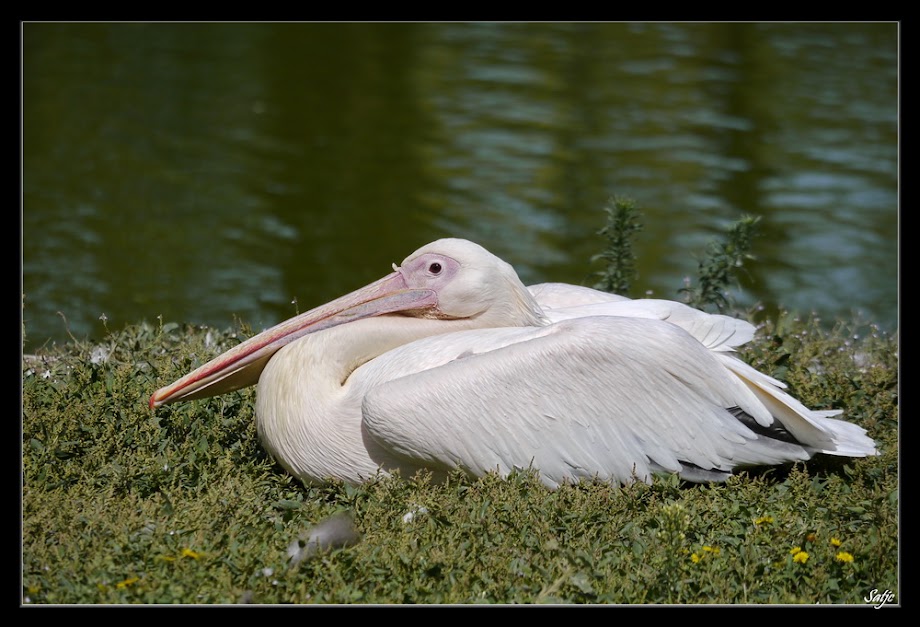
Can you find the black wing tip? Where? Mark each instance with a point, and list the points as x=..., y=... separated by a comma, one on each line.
x=776, y=431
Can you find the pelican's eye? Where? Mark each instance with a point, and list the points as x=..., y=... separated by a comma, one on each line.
x=435, y=268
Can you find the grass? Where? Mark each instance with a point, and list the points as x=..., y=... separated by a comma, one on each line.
x=124, y=505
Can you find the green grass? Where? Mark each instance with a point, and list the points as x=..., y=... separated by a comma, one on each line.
x=121, y=504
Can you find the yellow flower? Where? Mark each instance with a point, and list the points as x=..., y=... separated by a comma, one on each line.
x=836, y=541
x=764, y=519
x=711, y=549
x=843, y=556
x=127, y=582
x=795, y=549
x=190, y=553
x=695, y=558
x=801, y=557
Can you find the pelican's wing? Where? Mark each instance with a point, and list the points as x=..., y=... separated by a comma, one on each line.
x=607, y=397
x=714, y=331
x=559, y=295
x=721, y=334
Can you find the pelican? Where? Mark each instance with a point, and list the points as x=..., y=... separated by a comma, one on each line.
x=450, y=362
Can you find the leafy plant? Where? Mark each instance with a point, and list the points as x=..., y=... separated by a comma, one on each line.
x=723, y=260
x=623, y=223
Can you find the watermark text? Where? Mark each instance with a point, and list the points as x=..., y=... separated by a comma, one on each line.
x=879, y=598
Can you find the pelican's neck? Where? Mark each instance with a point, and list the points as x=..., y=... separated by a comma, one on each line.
x=308, y=409
x=510, y=303
x=347, y=347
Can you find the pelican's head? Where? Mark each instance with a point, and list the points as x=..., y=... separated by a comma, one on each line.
x=447, y=279
x=471, y=282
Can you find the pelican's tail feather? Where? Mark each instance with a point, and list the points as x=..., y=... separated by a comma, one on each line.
x=849, y=440
x=817, y=430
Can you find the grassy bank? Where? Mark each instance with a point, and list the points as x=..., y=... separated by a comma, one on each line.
x=124, y=505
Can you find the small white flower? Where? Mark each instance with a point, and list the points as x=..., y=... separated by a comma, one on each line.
x=410, y=515
x=99, y=354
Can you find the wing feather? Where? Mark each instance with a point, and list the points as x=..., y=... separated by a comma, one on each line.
x=609, y=397
x=556, y=295
x=714, y=331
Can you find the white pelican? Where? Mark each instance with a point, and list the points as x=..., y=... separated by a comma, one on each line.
x=451, y=362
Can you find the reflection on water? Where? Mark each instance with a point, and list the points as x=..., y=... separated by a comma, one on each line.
x=203, y=172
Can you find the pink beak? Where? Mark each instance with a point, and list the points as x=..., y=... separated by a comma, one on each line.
x=241, y=366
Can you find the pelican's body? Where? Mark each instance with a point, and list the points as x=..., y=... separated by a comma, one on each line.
x=450, y=362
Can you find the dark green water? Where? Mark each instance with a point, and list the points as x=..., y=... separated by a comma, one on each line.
x=202, y=172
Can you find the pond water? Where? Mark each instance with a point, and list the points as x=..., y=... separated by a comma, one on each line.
x=206, y=173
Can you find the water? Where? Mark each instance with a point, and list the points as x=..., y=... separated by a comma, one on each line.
x=205, y=173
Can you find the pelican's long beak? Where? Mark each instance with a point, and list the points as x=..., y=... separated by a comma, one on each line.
x=241, y=366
